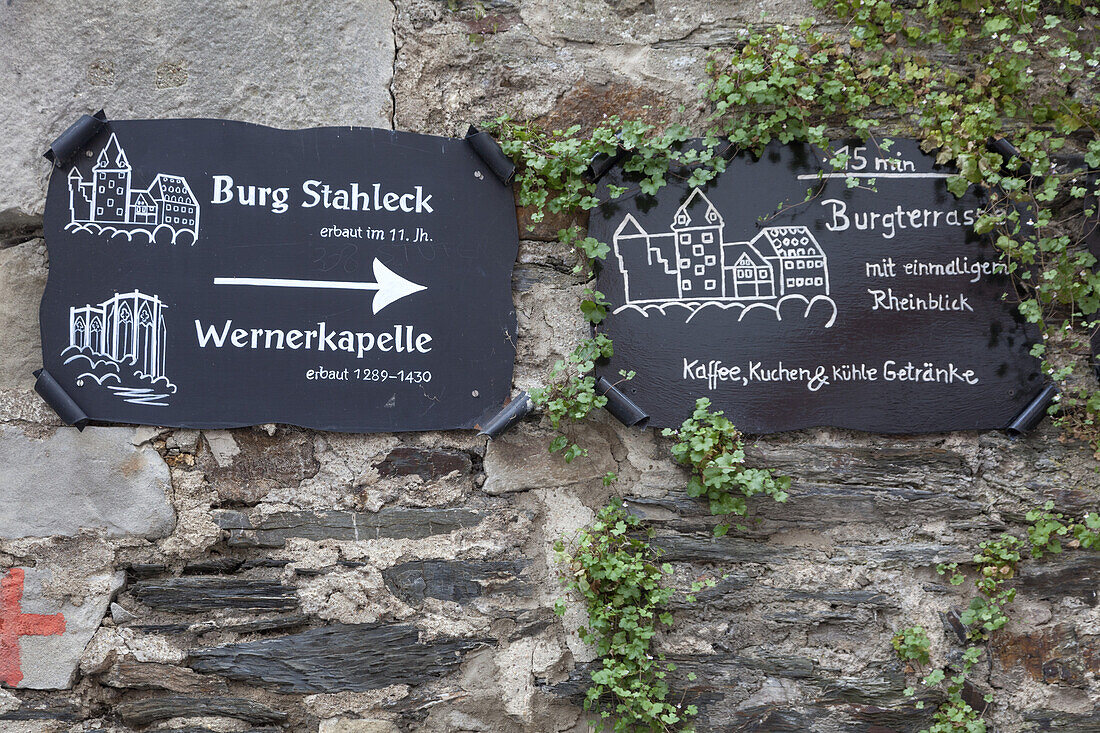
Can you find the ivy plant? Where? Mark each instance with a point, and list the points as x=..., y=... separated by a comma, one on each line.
x=714, y=450
x=995, y=565
x=618, y=576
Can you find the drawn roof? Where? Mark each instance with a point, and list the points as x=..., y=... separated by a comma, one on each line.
x=172, y=188
x=736, y=252
x=630, y=228
x=786, y=242
x=112, y=155
x=696, y=211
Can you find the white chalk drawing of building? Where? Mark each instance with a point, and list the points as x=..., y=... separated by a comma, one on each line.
x=127, y=328
x=112, y=203
x=693, y=263
x=123, y=342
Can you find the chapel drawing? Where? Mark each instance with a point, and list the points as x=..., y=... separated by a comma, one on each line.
x=110, y=198
x=693, y=262
x=127, y=328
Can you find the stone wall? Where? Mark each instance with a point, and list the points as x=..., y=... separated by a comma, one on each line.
x=274, y=578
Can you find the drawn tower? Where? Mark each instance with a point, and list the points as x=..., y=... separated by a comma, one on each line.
x=697, y=227
x=111, y=184
x=80, y=196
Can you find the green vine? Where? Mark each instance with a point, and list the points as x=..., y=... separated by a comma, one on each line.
x=713, y=449
x=995, y=564
x=570, y=394
x=1022, y=70
x=617, y=575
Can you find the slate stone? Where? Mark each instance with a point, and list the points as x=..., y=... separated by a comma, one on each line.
x=352, y=725
x=337, y=658
x=292, y=65
x=129, y=673
x=201, y=594
x=68, y=481
x=826, y=505
x=707, y=548
x=152, y=709
x=22, y=280
x=458, y=581
x=1052, y=655
x=52, y=709
x=1062, y=722
x=1074, y=574
x=50, y=662
x=260, y=463
x=274, y=529
x=425, y=463
x=518, y=461
x=277, y=623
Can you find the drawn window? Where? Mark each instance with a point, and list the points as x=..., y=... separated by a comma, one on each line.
x=685, y=238
x=707, y=237
x=709, y=285
x=817, y=281
x=700, y=269
x=99, y=211
x=685, y=285
x=118, y=212
x=788, y=265
x=697, y=250
x=102, y=189
x=790, y=282
x=711, y=259
x=762, y=273
x=685, y=263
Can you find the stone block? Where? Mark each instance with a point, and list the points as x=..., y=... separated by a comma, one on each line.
x=354, y=725
x=51, y=635
x=244, y=465
x=300, y=64
x=22, y=280
x=519, y=461
x=273, y=530
x=128, y=673
x=336, y=658
x=68, y=481
x=459, y=582
x=426, y=463
x=152, y=709
x=203, y=594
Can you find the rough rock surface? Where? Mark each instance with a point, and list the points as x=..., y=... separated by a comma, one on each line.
x=277, y=579
x=22, y=280
x=50, y=661
x=285, y=65
x=67, y=481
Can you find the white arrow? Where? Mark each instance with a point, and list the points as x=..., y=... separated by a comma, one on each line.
x=389, y=285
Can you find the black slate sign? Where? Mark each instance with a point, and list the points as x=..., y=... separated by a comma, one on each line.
x=206, y=273
x=872, y=307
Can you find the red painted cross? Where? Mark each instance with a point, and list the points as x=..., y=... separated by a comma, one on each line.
x=14, y=624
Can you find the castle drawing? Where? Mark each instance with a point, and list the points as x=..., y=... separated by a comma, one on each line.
x=127, y=328
x=110, y=200
x=692, y=262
